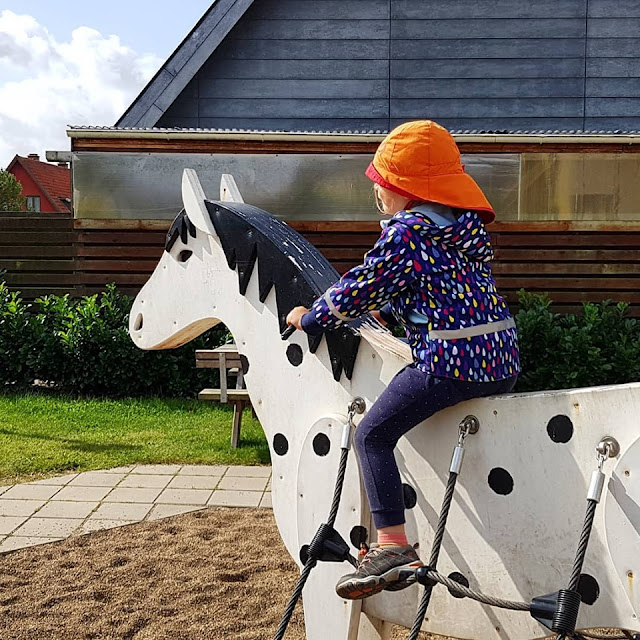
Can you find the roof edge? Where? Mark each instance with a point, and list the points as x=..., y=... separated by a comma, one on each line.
x=291, y=136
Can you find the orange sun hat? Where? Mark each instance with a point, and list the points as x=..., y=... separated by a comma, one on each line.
x=420, y=160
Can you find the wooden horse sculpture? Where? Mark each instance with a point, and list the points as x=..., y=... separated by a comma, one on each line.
x=518, y=510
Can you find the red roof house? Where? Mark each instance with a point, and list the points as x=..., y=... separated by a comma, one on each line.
x=46, y=186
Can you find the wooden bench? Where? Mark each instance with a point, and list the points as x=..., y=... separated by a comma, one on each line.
x=227, y=360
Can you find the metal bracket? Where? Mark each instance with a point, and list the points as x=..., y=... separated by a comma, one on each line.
x=608, y=447
x=470, y=424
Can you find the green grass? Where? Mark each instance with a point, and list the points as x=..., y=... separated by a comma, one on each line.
x=43, y=435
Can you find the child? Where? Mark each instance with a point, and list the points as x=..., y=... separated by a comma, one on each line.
x=430, y=272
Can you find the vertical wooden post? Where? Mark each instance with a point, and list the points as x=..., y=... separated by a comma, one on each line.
x=222, y=358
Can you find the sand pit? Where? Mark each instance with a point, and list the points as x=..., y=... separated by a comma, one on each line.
x=218, y=573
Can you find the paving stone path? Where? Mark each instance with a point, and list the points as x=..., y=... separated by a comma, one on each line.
x=74, y=504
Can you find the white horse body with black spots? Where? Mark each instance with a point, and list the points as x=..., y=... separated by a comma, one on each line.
x=519, y=506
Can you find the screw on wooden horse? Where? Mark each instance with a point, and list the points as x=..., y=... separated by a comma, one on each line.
x=516, y=519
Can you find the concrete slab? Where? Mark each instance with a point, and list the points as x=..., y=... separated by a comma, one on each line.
x=20, y=542
x=193, y=482
x=249, y=472
x=144, y=481
x=125, y=469
x=8, y=524
x=62, y=509
x=132, y=494
x=82, y=494
x=232, y=483
x=235, y=499
x=167, y=510
x=98, y=524
x=122, y=511
x=30, y=492
x=19, y=507
x=202, y=470
x=56, y=481
x=49, y=527
x=97, y=479
x=160, y=469
x=3, y=489
x=184, y=496
x=266, y=503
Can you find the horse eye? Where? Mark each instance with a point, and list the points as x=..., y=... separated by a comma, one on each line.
x=183, y=256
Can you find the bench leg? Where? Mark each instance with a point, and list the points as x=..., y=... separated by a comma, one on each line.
x=237, y=423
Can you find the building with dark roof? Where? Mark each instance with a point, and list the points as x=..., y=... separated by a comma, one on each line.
x=47, y=187
x=293, y=96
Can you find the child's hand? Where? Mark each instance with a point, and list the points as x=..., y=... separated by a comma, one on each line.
x=295, y=316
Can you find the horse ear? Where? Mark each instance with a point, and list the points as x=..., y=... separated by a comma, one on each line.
x=193, y=197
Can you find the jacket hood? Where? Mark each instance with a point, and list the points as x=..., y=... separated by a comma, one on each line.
x=467, y=235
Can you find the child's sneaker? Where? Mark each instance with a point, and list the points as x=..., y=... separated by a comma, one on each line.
x=389, y=567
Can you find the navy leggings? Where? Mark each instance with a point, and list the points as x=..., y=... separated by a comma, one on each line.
x=411, y=397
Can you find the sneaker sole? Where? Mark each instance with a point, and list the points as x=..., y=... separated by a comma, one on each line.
x=394, y=579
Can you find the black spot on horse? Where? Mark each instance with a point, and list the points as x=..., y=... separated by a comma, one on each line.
x=321, y=444
x=560, y=428
x=500, y=481
x=294, y=354
x=409, y=496
x=244, y=363
x=358, y=536
x=588, y=588
x=458, y=577
x=280, y=444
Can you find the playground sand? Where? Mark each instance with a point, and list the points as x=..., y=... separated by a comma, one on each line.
x=217, y=573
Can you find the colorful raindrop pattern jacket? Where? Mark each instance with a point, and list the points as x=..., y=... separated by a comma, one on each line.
x=441, y=272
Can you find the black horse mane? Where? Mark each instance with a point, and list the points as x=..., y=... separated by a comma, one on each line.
x=287, y=261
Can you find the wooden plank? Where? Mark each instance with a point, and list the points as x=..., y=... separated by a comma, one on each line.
x=466, y=9
x=123, y=225
x=617, y=8
x=213, y=395
x=613, y=27
x=22, y=223
x=514, y=68
x=475, y=48
x=613, y=67
x=613, y=88
x=561, y=282
x=260, y=88
x=567, y=255
x=123, y=266
x=290, y=108
x=314, y=30
x=39, y=279
x=24, y=266
x=444, y=108
x=505, y=88
x=123, y=238
x=335, y=9
x=613, y=47
x=565, y=268
x=289, y=51
x=296, y=69
x=117, y=278
x=30, y=238
x=43, y=251
x=597, y=241
x=498, y=27
x=31, y=293
x=111, y=252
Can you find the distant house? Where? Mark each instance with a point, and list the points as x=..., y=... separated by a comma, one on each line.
x=47, y=187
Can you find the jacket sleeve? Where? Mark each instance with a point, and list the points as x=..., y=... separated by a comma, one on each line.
x=387, y=270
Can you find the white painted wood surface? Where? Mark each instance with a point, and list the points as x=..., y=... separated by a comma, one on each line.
x=515, y=546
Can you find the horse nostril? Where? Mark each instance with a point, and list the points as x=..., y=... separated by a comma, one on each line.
x=184, y=255
x=138, y=323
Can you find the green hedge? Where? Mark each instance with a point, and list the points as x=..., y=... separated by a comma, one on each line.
x=599, y=346
x=83, y=347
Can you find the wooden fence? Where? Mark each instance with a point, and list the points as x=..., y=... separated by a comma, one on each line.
x=573, y=263
x=37, y=251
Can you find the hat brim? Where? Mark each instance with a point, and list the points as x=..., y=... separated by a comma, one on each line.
x=457, y=190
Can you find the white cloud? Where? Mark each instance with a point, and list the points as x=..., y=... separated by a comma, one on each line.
x=46, y=85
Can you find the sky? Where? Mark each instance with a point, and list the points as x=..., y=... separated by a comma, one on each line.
x=79, y=63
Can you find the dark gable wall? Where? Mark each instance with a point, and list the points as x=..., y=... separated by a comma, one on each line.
x=470, y=64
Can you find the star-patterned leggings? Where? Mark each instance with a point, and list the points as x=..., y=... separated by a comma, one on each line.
x=411, y=397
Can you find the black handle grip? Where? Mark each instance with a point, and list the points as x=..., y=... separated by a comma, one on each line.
x=289, y=331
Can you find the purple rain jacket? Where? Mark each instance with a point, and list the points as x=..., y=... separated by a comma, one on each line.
x=436, y=281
